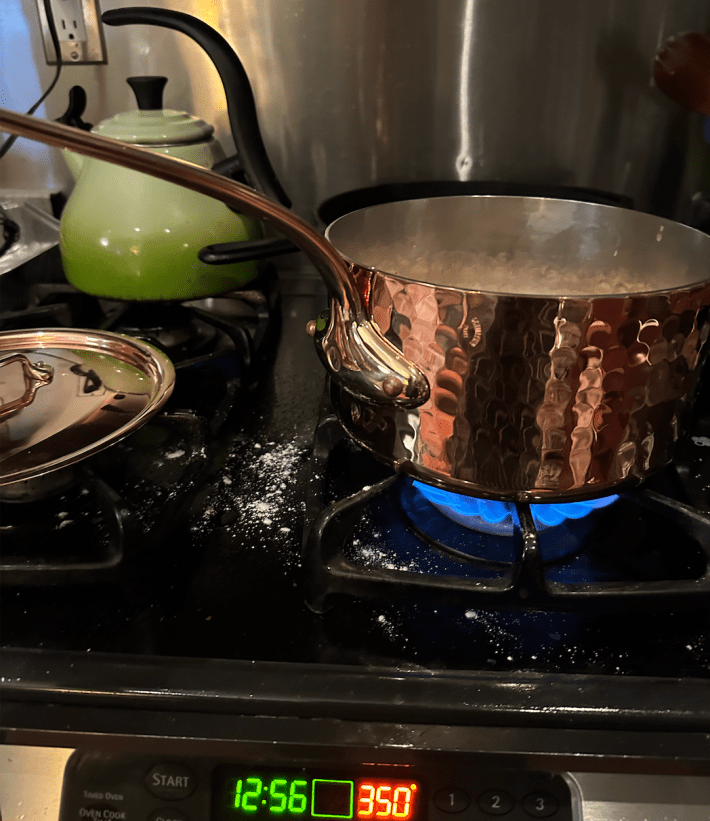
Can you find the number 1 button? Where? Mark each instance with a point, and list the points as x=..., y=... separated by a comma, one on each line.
x=451, y=799
x=495, y=802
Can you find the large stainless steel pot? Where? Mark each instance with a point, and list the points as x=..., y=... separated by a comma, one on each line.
x=502, y=394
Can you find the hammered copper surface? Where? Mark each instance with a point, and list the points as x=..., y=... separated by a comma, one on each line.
x=534, y=397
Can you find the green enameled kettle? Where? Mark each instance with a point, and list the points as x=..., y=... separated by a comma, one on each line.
x=127, y=235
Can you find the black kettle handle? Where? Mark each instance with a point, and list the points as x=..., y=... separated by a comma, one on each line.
x=247, y=251
x=240, y=99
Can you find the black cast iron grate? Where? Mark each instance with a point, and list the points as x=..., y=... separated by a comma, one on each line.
x=646, y=552
x=108, y=524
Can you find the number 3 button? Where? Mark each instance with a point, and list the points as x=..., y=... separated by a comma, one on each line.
x=495, y=802
x=540, y=804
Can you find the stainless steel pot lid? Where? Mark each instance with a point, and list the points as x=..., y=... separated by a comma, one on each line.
x=66, y=394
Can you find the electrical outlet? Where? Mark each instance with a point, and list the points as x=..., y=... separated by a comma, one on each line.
x=79, y=29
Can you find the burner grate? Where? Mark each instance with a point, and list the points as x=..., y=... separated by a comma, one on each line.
x=646, y=551
x=107, y=525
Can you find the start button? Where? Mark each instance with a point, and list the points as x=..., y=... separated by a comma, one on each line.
x=171, y=781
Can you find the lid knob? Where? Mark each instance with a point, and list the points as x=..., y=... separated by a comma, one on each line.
x=148, y=91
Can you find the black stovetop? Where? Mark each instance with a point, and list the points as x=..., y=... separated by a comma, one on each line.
x=217, y=579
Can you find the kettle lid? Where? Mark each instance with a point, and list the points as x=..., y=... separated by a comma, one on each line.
x=152, y=124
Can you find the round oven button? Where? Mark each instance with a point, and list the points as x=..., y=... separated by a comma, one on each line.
x=451, y=799
x=168, y=815
x=495, y=802
x=171, y=781
x=540, y=804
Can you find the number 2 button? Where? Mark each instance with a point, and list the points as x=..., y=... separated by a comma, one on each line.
x=495, y=802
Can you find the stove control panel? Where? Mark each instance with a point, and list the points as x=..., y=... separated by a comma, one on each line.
x=100, y=786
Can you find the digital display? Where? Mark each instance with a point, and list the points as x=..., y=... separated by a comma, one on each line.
x=262, y=794
x=386, y=799
x=280, y=796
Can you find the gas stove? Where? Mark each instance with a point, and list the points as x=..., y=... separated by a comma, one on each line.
x=238, y=611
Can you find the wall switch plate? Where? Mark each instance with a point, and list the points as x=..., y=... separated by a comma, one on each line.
x=79, y=30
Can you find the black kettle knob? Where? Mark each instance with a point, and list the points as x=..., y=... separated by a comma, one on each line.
x=148, y=91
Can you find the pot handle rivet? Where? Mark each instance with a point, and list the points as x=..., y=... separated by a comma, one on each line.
x=392, y=386
x=311, y=328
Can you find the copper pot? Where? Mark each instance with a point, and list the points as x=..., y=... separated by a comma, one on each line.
x=546, y=381
x=501, y=392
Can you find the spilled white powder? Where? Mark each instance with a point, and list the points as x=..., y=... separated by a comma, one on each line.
x=389, y=628
x=372, y=553
x=256, y=497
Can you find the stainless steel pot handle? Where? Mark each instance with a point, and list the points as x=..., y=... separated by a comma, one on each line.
x=352, y=349
x=34, y=376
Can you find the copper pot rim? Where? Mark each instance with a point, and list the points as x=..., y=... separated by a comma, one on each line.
x=552, y=297
x=556, y=297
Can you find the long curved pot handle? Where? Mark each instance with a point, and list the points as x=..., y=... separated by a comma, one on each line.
x=351, y=347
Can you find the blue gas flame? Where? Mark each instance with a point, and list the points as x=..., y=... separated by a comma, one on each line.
x=500, y=517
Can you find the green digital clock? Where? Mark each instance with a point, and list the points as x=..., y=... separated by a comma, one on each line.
x=277, y=796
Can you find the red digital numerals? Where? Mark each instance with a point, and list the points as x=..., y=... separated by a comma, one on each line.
x=386, y=800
